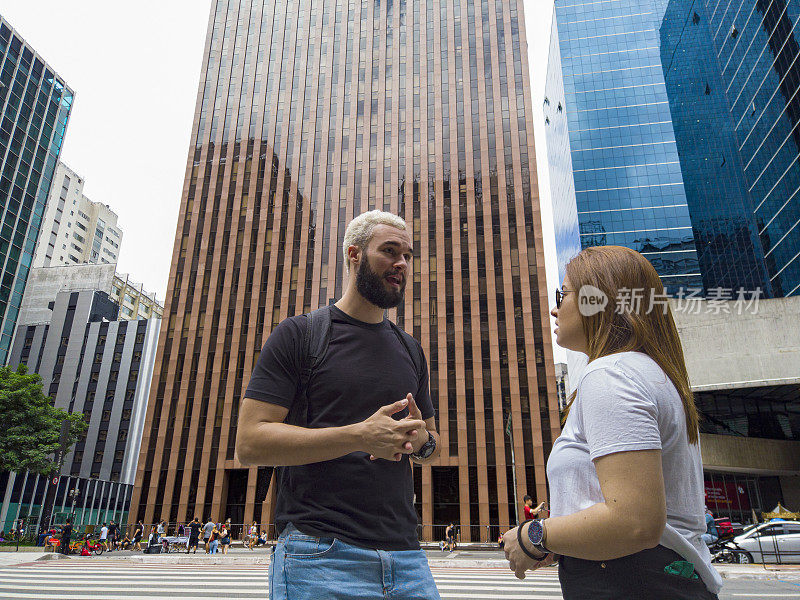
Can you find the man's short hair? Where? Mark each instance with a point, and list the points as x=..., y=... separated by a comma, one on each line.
x=526, y=498
x=360, y=230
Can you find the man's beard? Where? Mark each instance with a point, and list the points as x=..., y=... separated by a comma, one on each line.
x=372, y=287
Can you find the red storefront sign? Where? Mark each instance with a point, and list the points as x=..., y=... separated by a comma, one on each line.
x=726, y=495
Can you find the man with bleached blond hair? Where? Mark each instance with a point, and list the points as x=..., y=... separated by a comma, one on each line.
x=339, y=402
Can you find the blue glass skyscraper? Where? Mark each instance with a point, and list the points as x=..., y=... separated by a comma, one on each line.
x=684, y=121
x=34, y=110
x=628, y=183
x=733, y=78
x=716, y=189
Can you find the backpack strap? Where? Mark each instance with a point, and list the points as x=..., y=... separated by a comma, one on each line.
x=316, y=337
x=412, y=348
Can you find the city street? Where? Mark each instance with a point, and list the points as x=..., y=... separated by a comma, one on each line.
x=126, y=576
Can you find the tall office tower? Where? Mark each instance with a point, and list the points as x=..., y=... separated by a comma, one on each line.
x=683, y=130
x=34, y=110
x=733, y=78
x=76, y=230
x=93, y=364
x=309, y=113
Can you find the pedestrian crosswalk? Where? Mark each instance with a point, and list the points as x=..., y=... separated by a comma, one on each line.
x=110, y=580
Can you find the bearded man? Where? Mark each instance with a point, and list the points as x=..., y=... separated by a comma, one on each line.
x=344, y=509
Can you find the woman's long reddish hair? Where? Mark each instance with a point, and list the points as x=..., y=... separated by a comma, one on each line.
x=643, y=322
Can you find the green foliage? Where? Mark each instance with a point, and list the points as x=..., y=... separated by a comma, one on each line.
x=30, y=425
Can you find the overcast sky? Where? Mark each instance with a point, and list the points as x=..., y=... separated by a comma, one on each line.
x=134, y=67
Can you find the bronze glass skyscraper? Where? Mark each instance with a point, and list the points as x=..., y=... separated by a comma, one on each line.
x=309, y=113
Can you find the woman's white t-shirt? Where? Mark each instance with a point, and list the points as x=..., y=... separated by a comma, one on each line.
x=626, y=402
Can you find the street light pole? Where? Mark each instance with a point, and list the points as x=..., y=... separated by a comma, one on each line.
x=73, y=494
x=510, y=434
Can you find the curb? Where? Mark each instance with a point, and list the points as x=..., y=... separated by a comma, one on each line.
x=53, y=556
x=763, y=575
x=726, y=572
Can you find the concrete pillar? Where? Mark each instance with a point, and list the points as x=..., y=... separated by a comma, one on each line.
x=12, y=479
x=39, y=479
x=21, y=496
x=83, y=506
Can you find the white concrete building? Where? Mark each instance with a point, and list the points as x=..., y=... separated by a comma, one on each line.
x=134, y=302
x=75, y=230
x=45, y=282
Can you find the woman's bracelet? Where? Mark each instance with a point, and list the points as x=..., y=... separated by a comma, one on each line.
x=524, y=549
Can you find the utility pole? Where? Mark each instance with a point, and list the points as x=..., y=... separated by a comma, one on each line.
x=510, y=434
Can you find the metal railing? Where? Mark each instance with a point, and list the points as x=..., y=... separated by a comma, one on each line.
x=426, y=533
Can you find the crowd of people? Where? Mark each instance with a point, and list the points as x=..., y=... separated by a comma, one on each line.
x=213, y=537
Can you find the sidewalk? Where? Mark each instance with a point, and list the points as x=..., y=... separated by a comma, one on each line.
x=476, y=559
x=27, y=555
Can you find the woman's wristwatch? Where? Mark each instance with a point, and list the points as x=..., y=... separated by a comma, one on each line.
x=535, y=537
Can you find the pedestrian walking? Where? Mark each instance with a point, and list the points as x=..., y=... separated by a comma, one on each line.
x=194, y=533
x=208, y=528
x=252, y=535
x=213, y=541
x=450, y=537
x=138, y=533
x=625, y=475
x=66, y=534
x=339, y=402
x=112, y=536
x=104, y=536
x=225, y=538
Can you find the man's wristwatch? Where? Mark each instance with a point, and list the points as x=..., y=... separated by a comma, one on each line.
x=536, y=535
x=427, y=448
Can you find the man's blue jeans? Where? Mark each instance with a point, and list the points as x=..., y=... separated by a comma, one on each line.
x=310, y=568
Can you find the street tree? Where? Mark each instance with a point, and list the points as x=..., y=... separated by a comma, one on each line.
x=30, y=426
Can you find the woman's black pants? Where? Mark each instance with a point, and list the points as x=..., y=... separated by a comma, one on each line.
x=639, y=576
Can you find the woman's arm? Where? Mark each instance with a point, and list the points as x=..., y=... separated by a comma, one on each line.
x=631, y=519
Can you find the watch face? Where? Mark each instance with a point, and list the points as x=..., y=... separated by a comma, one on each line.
x=428, y=448
x=535, y=533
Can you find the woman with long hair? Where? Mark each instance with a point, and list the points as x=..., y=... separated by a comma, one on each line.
x=625, y=475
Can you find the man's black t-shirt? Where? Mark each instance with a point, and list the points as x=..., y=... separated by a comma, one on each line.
x=362, y=502
x=194, y=529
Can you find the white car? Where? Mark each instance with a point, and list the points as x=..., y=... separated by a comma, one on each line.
x=776, y=542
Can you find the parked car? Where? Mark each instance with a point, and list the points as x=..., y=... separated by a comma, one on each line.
x=774, y=542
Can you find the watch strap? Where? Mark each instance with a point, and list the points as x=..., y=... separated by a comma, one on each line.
x=427, y=448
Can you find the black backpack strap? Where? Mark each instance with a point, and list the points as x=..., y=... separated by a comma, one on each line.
x=316, y=337
x=412, y=348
